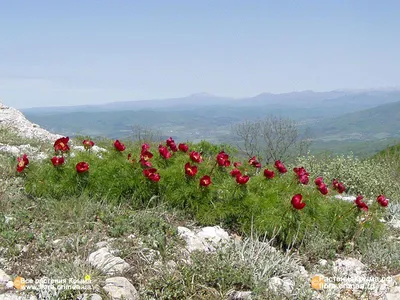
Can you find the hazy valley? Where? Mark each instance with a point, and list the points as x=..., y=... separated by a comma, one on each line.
x=338, y=121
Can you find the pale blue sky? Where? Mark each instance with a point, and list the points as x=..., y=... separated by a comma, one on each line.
x=86, y=52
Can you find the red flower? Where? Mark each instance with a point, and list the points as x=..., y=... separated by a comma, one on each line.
x=323, y=188
x=171, y=144
x=235, y=172
x=154, y=177
x=87, y=144
x=360, y=204
x=146, y=155
x=190, y=170
x=119, y=146
x=22, y=163
x=382, y=200
x=303, y=179
x=145, y=147
x=173, y=147
x=269, y=174
x=280, y=167
x=301, y=171
x=148, y=172
x=82, y=167
x=164, y=152
x=170, y=141
x=318, y=181
x=205, y=180
x=145, y=163
x=183, y=147
x=297, y=203
x=61, y=144
x=242, y=179
x=57, y=160
x=196, y=157
x=302, y=175
x=223, y=159
x=237, y=164
x=254, y=162
x=341, y=188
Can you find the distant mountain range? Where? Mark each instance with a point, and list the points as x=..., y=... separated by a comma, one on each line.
x=352, y=100
x=333, y=118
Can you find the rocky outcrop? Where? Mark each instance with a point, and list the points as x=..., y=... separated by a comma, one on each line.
x=14, y=120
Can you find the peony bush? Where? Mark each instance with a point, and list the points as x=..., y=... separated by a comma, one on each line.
x=213, y=186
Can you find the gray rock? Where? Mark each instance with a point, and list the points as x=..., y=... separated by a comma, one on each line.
x=4, y=278
x=12, y=296
x=89, y=297
x=281, y=286
x=394, y=293
x=120, y=288
x=16, y=121
x=349, y=267
x=322, y=262
x=206, y=239
x=237, y=295
x=108, y=263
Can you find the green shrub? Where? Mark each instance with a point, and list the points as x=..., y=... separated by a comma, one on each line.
x=265, y=203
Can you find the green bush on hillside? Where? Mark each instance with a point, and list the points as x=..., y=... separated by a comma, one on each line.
x=261, y=203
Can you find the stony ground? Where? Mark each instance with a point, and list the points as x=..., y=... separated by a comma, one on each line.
x=105, y=252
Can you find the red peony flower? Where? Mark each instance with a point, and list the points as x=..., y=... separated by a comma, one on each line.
x=154, y=177
x=254, y=162
x=297, y=203
x=237, y=164
x=61, y=144
x=146, y=155
x=280, y=167
x=318, y=181
x=57, y=160
x=269, y=174
x=242, y=179
x=183, y=147
x=145, y=163
x=205, y=180
x=82, y=167
x=88, y=144
x=119, y=146
x=170, y=141
x=235, y=172
x=190, y=170
x=382, y=200
x=147, y=172
x=23, y=161
x=173, y=147
x=196, y=157
x=300, y=171
x=171, y=144
x=145, y=147
x=360, y=204
x=340, y=187
x=164, y=152
x=223, y=159
x=303, y=179
x=323, y=188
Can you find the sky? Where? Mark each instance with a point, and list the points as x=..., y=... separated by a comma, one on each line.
x=56, y=53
